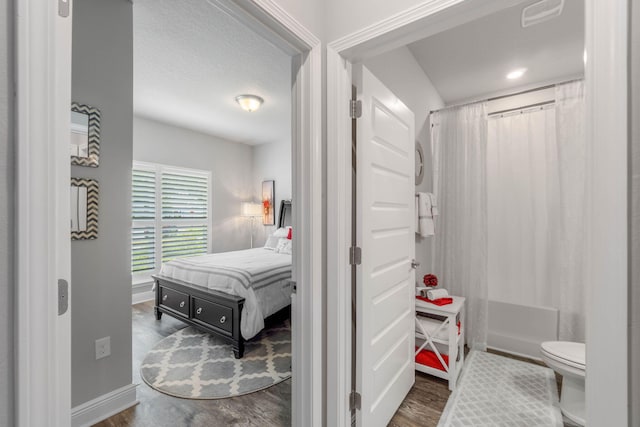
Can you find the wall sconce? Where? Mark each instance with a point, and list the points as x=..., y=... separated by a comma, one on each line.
x=252, y=211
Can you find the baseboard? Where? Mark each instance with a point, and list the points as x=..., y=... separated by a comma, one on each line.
x=142, y=292
x=139, y=297
x=103, y=407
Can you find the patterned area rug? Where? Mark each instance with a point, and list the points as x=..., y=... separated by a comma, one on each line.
x=498, y=391
x=196, y=365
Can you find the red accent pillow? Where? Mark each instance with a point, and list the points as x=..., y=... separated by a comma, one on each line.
x=290, y=234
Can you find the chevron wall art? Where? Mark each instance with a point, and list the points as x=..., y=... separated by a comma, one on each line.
x=84, y=218
x=93, y=135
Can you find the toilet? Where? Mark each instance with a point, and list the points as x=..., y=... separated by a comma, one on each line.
x=568, y=359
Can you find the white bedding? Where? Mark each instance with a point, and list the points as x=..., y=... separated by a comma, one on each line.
x=260, y=276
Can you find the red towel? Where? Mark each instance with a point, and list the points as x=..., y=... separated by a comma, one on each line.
x=429, y=358
x=439, y=301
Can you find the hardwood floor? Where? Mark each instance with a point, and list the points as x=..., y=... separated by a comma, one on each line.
x=266, y=408
x=270, y=407
x=424, y=404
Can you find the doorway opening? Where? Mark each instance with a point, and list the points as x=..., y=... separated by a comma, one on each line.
x=211, y=195
x=52, y=355
x=367, y=51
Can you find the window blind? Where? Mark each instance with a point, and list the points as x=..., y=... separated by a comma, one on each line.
x=184, y=196
x=143, y=249
x=170, y=213
x=183, y=241
x=143, y=195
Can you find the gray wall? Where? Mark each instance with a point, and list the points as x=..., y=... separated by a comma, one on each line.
x=229, y=163
x=634, y=260
x=100, y=269
x=271, y=162
x=237, y=173
x=402, y=74
x=6, y=216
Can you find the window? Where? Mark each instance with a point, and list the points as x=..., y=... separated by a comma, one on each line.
x=170, y=215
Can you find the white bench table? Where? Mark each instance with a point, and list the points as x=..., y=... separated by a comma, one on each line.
x=440, y=326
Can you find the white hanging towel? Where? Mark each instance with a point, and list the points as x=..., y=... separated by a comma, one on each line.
x=425, y=227
x=434, y=207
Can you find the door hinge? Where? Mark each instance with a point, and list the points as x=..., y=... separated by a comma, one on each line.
x=355, y=255
x=63, y=8
x=355, y=109
x=63, y=296
x=355, y=400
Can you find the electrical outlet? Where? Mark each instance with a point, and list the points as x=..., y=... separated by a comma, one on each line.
x=103, y=347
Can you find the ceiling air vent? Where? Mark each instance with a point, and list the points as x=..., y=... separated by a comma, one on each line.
x=541, y=11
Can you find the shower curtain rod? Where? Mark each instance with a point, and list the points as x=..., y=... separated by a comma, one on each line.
x=507, y=96
x=522, y=108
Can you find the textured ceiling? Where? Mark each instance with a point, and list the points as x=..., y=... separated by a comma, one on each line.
x=472, y=60
x=190, y=62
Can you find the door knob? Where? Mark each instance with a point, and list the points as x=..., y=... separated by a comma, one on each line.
x=414, y=264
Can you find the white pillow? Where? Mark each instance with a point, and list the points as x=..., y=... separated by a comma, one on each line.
x=271, y=243
x=284, y=246
x=281, y=232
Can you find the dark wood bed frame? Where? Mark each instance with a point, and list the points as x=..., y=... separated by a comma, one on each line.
x=214, y=311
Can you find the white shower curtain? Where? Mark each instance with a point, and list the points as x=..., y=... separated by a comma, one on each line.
x=512, y=200
x=573, y=164
x=523, y=213
x=536, y=165
x=459, y=138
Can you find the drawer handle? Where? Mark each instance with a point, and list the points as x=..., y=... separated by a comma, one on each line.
x=181, y=303
x=199, y=310
x=164, y=298
x=223, y=319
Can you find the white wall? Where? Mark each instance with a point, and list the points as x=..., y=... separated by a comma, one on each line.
x=310, y=13
x=347, y=17
x=6, y=217
x=230, y=165
x=271, y=162
x=100, y=269
x=402, y=74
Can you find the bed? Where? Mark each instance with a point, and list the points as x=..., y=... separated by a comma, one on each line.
x=228, y=294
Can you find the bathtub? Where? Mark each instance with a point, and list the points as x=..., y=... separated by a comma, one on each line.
x=519, y=329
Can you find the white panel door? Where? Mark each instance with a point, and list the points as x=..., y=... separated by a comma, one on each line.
x=385, y=279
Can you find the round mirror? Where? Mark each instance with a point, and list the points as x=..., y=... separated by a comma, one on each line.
x=419, y=163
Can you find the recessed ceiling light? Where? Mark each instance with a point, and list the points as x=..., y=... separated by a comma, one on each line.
x=249, y=103
x=516, y=74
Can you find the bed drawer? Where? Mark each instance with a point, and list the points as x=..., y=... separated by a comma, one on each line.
x=212, y=314
x=175, y=300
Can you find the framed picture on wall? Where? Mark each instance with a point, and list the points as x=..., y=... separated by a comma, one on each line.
x=84, y=209
x=85, y=135
x=268, y=201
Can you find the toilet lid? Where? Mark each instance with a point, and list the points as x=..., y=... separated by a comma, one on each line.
x=573, y=352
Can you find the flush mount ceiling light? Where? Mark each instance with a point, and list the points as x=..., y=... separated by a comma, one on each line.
x=249, y=103
x=516, y=74
x=541, y=11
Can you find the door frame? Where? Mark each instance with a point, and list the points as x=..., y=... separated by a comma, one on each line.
x=43, y=97
x=606, y=72
x=42, y=244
